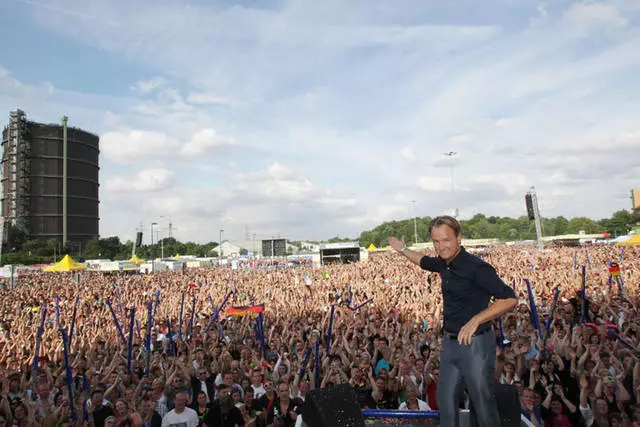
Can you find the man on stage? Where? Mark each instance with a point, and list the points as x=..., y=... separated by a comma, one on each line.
x=468, y=353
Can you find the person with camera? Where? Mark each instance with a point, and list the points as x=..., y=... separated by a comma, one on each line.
x=223, y=413
x=286, y=410
x=557, y=410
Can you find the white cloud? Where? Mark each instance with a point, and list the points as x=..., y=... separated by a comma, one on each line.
x=145, y=181
x=146, y=86
x=434, y=184
x=408, y=153
x=205, y=141
x=131, y=146
x=134, y=146
x=203, y=98
x=586, y=17
x=282, y=195
x=462, y=139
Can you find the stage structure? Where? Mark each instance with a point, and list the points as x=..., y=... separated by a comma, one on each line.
x=274, y=248
x=533, y=212
x=339, y=253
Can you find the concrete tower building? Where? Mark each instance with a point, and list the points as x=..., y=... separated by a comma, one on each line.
x=50, y=187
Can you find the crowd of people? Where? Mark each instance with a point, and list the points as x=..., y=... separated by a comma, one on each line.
x=255, y=371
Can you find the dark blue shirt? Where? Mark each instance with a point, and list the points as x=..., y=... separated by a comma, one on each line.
x=468, y=283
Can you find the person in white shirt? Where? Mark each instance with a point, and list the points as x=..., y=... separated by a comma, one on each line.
x=509, y=375
x=413, y=403
x=180, y=415
x=257, y=386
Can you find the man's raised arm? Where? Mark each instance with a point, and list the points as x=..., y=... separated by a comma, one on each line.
x=401, y=247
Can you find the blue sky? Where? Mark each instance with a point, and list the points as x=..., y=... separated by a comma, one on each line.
x=314, y=119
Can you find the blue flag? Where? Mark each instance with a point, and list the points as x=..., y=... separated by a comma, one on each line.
x=501, y=333
x=583, y=316
x=532, y=306
x=556, y=293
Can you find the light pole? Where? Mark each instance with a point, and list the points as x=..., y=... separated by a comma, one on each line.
x=153, y=262
x=220, y=249
x=415, y=222
x=161, y=244
x=254, y=245
x=152, y=224
x=162, y=241
x=451, y=155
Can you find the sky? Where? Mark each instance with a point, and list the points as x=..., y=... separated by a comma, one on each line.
x=312, y=119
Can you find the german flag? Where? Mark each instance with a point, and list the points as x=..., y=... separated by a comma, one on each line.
x=614, y=270
x=245, y=310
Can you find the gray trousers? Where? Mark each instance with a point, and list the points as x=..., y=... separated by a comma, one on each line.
x=472, y=367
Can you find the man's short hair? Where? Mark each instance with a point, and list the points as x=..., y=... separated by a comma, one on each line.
x=446, y=220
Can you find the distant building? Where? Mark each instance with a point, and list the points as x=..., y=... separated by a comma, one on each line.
x=248, y=247
x=635, y=203
x=32, y=180
x=237, y=247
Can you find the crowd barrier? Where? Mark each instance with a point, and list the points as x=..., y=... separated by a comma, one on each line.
x=383, y=418
x=380, y=417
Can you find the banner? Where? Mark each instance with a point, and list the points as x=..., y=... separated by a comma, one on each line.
x=250, y=310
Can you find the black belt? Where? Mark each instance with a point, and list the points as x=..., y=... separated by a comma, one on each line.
x=453, y=336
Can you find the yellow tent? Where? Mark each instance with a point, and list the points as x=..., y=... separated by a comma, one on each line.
x=66, y=264
x=372, y=247
x=135, y=259
x=634, y=241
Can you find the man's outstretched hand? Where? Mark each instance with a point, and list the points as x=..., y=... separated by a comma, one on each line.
x=396, y=244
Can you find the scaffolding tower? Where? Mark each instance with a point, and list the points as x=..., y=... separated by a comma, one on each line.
x=17, y=177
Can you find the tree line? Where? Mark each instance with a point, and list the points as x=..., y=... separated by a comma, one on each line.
x=19, y=249
x=502, y=228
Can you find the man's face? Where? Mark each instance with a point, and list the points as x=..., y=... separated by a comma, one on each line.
x=97, y=399
x=445, y=242
x=180, y=401
x=601, y=406
x=228, y=379
x=537, y=399
x=412, y=392
x=236, y=374
x=43, y=389
x=283, y=391
x=257, y=377
x=527, y=399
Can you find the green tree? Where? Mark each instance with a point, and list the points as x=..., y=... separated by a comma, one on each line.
x=109, y=247
x=92, y=249
x=585, y=224
x=561, y=226
x=619, y=223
